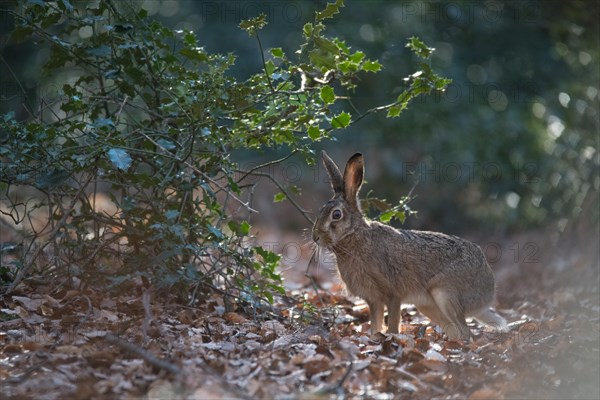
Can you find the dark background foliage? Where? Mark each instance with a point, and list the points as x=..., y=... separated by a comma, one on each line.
x=511, y=144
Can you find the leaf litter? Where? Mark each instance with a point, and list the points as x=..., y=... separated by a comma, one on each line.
x=56, y=344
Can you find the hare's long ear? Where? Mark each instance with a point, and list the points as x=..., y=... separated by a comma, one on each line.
x=353, y=179
x=335, y=176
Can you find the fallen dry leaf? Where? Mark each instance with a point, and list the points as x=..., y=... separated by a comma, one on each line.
x=485, y=393
x=234, y=318
x=316, y=364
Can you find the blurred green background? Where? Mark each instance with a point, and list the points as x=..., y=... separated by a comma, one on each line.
x=512, y=144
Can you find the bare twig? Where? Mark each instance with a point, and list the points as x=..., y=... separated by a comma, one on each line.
x=122, y=106
x=196, y=170
x=148, y=317
x=262, y=56
x=267, y=164
x=146, y=355
x=67, y=212
x=283, y=190
x=87, y=313
x=337, y=387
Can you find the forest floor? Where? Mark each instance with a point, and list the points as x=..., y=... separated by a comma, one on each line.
x=58, y=342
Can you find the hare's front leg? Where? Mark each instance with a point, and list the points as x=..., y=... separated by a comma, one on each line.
x=394, y=315
x=376, y=313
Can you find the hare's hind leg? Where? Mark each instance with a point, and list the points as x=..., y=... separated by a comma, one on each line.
x=435, y=315
x=490, y=317
x=455, y=325
x=376, y=314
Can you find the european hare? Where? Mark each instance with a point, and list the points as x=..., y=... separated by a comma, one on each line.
x=447, y=278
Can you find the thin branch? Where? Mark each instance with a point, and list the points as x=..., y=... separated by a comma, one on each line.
x=145, y=354
x=13, y=75
x=196, y=170
x=121, y=108
x=284, y=191
x=67, y=212
x=267, y=164
x=262, y=56
x=375, y=110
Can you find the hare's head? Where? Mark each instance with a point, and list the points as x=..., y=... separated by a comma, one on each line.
x=341, y=215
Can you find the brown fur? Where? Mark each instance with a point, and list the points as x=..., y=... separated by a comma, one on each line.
x=447, y=278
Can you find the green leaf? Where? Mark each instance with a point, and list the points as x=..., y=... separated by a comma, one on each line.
x=268, y=256
x=419, y=48
x=279, y=197
x=194, y=54
x=52, y=179
x=386, y=216
x=269, y=297
x=171, y=215
x=357, y=56
x=239, y=228
x=330, y=10
x=123, y=28
x=327, y=94
x=51, y=19
x=379, y=204
x=167, y=144
x=314, y=132
x=20, y=33
x=322, y=59
x=348, y=66
x=103, y=123
x=401, y=215
x=9, y=116
x=308, y=29
x=110, y=74
x=120, y=158
x=270, y=67
x=344, y=49
x=326, y=45
x=253, y=24
x=215, y=231
x=341, y=120
x=244, y=228
x=100, y=51
x=65, y=5
x=277, y=52
x=371, y=66
x=190, y=38
x=441, y=83
x=394, y=111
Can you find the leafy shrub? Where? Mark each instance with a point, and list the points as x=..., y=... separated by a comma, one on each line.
x=149, y=118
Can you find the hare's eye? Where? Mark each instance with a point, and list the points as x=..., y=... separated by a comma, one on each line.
x=336, y=214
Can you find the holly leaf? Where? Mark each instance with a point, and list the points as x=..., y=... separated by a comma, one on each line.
x=330, y=10
x=341, y=120
x=327, y=94
x=120, y=158
x=279, y=197
x=314, y=132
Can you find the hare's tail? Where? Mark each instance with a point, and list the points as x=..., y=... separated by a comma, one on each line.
x=492, y=319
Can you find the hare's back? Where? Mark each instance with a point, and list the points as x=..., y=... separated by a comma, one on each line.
x=445, y=248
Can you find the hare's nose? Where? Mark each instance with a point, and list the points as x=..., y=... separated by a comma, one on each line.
x=315, y=236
